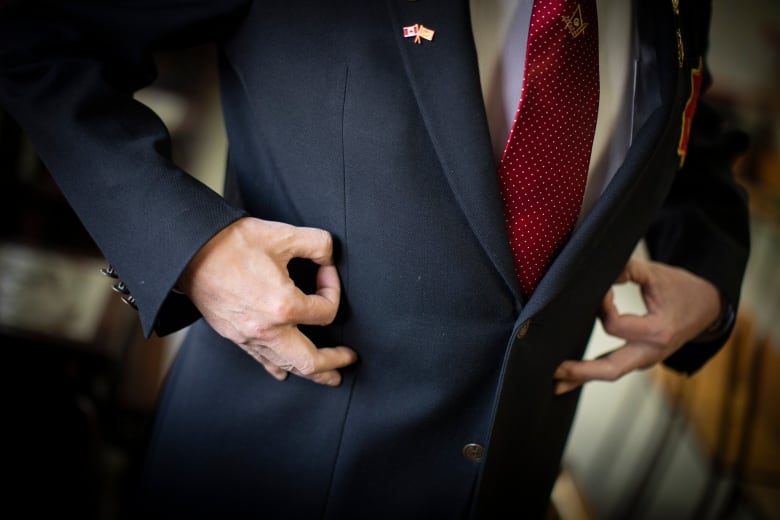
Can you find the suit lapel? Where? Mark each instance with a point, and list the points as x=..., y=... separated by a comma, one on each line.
x=444, y=76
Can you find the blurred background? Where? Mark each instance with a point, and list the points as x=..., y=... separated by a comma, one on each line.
x=79, y=381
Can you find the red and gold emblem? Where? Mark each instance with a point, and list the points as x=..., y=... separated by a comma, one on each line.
x=575, y=23
x=690, y=110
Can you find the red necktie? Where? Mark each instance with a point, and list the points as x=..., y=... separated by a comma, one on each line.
x=543, y=170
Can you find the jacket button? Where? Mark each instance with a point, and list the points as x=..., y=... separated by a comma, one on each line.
x=473, y=452
x=109, y=271
x=121, y=288
x=130, y=300
x=523, y=330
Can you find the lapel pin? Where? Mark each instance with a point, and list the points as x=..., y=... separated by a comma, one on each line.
x=418, y=31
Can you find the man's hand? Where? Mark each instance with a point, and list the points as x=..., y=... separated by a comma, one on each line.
x=680, y=306
x=239, y=282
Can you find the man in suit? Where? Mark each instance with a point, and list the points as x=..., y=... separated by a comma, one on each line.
x=360, y=254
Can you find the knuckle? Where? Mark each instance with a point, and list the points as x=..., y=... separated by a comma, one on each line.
x=613, y=374
x=255, y=354
x=282, y=310
x=329, y=317
x=241, y=336
x=307, y=368
x=326, y=379
x=608, y=322
x=655, y=356
x=663, y=336
x=326, y=240
x=260, y=331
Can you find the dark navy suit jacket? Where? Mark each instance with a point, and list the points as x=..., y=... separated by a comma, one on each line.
x=336, y=121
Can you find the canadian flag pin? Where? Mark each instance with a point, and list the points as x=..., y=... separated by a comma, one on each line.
x=419, y=32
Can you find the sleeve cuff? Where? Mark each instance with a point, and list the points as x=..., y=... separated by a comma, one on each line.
x=721, y=325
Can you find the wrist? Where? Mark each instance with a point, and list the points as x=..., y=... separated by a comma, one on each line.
x=721, y=324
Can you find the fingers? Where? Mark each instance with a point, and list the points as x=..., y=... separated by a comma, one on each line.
x=645, y=344
x=287, y=304
x=306, y=242
x=636, y=270
x=241, y=284
x=679, y=306
x=293, y=352
x=296, y=307
x=630, y=327
x=608, y=307
x=626, y=325
x=607, y=367
x=278, y=373
x=623, y=325
x=328, y=284
x=321, y=369
x=318, y=365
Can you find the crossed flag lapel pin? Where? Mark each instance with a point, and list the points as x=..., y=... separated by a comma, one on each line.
x=419, y=32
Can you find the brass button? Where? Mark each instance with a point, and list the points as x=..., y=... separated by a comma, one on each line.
x=473, y=452
x=523, y=329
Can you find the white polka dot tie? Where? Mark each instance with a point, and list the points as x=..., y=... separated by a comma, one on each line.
x=543, y=170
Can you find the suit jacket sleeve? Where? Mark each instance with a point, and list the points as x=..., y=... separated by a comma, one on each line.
x=704, y=224
x=68, y=71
